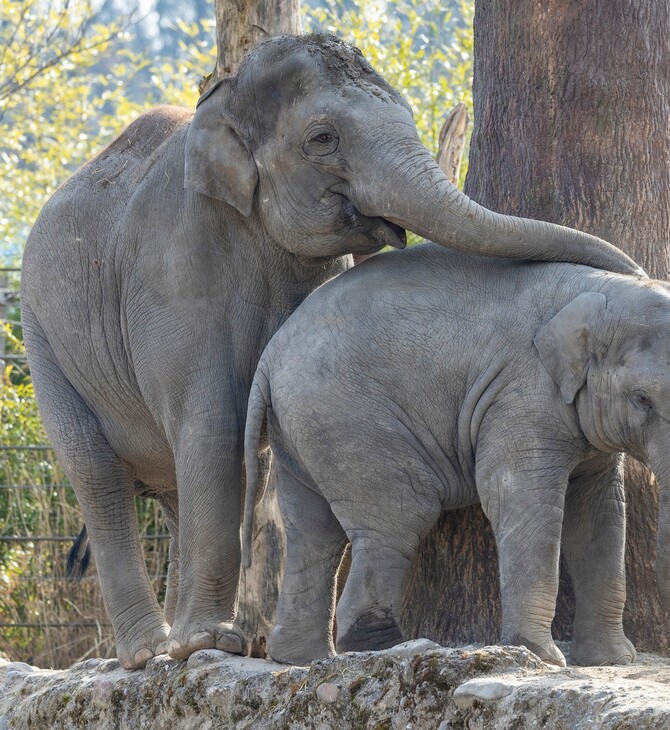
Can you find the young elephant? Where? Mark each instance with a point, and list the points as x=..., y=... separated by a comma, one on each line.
x=425, y=381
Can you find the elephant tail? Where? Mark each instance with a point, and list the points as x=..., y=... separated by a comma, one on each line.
x=79, y=556
x=259, y=402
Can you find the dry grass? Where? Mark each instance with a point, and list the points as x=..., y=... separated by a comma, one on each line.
x=46, y=619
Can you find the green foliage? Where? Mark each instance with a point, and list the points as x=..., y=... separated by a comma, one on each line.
x=176, y=79
x=61, y=95
x=20, y=425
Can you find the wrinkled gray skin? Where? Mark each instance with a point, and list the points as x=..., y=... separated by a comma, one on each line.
x=425, y=381
x=155, y=276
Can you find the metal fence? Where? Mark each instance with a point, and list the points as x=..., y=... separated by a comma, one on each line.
x=45, y=618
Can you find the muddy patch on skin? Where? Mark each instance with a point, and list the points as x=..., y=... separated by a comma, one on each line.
x=345, y=64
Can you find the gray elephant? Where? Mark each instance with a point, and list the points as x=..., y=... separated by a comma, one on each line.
x=155, y=276
x=425, y=381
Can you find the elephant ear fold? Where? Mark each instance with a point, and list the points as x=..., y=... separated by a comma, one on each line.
x=567, y=342
x=217, y=163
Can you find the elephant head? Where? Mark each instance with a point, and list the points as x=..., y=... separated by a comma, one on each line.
x=609, y=353
x=309, y=143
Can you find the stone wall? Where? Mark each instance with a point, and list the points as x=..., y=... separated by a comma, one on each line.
x=415, y=686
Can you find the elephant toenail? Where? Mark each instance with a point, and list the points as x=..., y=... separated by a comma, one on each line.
x=142, y=657
x=230, y=643
x=201, y=640
x=173, y=646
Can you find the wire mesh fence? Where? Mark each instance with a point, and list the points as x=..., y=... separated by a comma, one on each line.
x=47, y=619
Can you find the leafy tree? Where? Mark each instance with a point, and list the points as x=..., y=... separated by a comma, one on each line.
x=176, y=80
x=55, y=106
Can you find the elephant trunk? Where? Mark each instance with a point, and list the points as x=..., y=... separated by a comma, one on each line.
x=413, y=192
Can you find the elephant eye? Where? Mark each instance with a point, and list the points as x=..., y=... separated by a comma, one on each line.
x=641, y=400
x=321, y=142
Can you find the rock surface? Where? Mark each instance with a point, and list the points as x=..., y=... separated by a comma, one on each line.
x=416, y=685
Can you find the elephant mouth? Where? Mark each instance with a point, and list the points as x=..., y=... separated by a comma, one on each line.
x=377, y=230
x=387, y=233
x=381, y=230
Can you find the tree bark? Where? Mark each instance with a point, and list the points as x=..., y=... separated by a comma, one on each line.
x=241, y=24
x=452, y=142
x=572, y=102
x=259, y=584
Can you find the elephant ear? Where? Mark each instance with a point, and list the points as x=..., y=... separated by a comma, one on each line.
x=217, y=163
x=567, y=342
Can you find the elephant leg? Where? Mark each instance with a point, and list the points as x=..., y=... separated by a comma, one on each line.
x=369, y=607
x=208, y=464
x=104, y=489
x=384, y=526
x=168, y=502
x=315, y=542
x=594, y=535
x=524, y=503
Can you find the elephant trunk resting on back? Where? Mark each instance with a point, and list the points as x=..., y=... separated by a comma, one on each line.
x=425, y=381
x=155, y=276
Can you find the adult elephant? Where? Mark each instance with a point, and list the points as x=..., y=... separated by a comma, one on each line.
x=155, y=276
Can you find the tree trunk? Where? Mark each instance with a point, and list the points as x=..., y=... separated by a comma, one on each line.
x=241, y=24
x=572, y=102
x=259, y=584
x=452, y=142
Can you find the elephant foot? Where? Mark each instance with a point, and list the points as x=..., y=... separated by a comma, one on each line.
x=223, y=636
x=546, y=649
x=295, y=647
x=133, y=652
x=370, y=632
x=591, y=649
